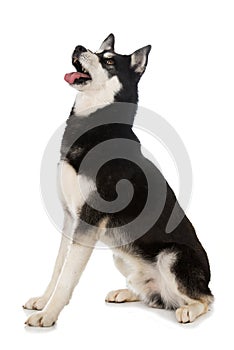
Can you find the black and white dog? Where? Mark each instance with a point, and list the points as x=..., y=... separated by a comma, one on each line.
x=164, y=270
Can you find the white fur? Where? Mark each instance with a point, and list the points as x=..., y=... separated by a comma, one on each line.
x=73, y=188
x=120, y=296
x=188, y=313
x=75, y=262
x=92, y=100
x=161, y=280
x=98, y=92
x=100, y=50
x=108, y=54
x=72, y=257
x=145, y=278
x=166, y=279
x=39, y=303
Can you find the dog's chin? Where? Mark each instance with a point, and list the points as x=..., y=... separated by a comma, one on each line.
x=81, y=86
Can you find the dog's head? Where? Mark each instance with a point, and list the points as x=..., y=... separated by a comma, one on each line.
x=105, y=68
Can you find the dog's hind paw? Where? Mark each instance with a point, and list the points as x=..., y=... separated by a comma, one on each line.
x=188, y=313
x=120, y=296
x=37, y=303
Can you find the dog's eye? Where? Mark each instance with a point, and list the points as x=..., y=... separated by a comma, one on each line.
x=110, y=62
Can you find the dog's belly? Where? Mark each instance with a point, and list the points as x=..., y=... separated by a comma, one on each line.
x=73, y=189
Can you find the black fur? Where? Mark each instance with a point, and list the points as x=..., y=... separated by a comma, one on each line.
x=156, y=301
x=127, y=77
x=191, y=267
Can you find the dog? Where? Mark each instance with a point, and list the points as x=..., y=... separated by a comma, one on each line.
x=163, y=270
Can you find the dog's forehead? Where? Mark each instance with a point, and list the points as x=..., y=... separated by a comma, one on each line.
x=108, y=54
x=105, y=54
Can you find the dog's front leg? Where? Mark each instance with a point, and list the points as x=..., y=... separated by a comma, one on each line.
x=38, y=303
x=75, y=262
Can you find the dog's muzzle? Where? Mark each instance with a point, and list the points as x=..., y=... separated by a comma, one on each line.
x=82, y=75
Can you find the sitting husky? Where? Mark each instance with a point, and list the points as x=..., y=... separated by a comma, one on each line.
x=163, y=270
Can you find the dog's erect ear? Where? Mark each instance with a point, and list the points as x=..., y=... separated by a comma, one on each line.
x=139, y=59
x=108, y=43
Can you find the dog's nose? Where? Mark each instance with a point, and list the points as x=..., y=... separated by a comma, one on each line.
x=79, y=49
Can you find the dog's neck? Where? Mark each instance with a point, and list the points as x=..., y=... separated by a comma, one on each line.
x=89, y=101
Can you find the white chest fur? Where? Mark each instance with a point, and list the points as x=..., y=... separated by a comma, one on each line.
x=73, y=188
x=89, y=101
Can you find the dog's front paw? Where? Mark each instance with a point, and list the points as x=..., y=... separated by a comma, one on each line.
x=37, y=303
x=41, y=319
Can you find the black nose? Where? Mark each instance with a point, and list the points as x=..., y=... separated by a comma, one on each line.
x=79, y=49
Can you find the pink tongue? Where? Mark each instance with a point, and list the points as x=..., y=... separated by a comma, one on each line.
x=71, y=77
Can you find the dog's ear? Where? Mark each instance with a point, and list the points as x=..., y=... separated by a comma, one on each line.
x=139, y=59
x=108, y=43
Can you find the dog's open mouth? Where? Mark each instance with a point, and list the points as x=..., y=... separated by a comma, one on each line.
x=79, y=77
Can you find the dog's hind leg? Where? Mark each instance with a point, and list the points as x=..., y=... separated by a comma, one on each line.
x=191, y=270
x=38, y=303
x=121, y=295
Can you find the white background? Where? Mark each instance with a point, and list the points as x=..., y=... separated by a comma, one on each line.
x=190, y=82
